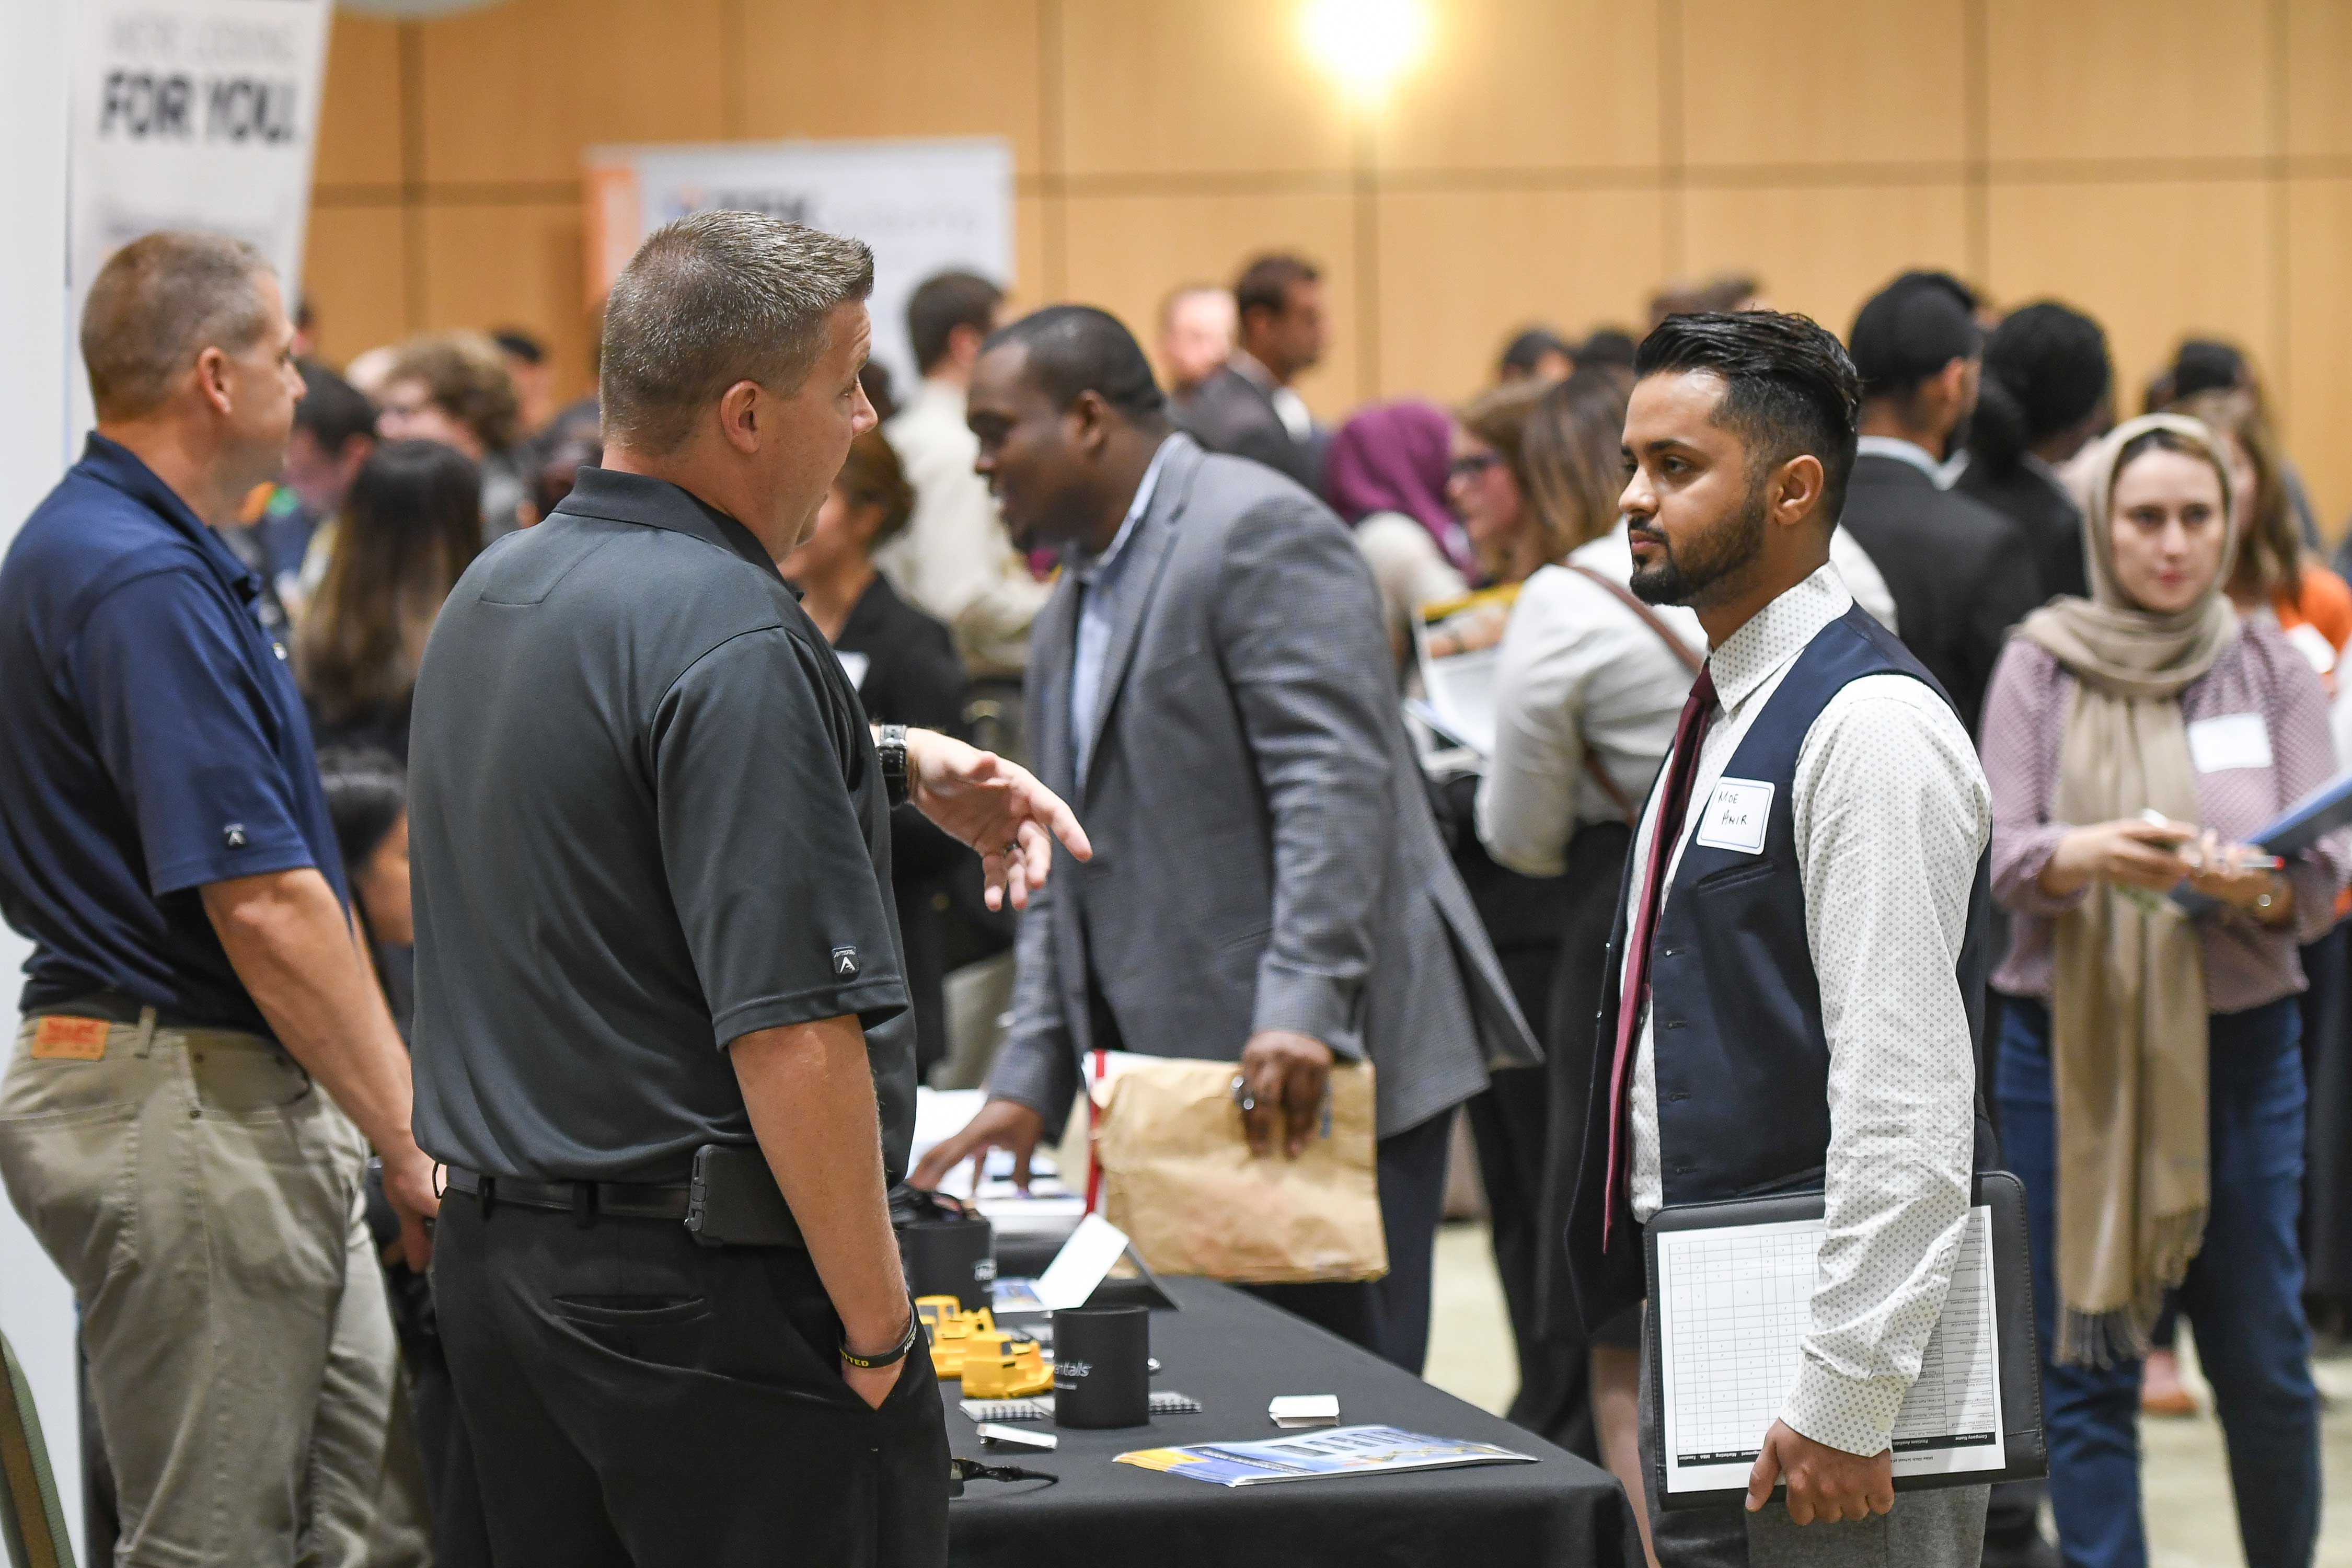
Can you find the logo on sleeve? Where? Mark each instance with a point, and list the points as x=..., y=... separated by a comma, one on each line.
x=844, y=963
x=233, y=836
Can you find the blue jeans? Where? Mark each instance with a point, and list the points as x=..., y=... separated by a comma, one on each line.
x=2243, y=1296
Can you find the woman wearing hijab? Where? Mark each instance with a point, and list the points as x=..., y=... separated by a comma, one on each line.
x=1385, y=474
x=2151, y=1088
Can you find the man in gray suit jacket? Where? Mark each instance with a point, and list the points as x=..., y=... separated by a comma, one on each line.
x=1211, y=687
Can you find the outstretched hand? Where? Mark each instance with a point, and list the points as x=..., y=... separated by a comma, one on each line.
x=997, y=807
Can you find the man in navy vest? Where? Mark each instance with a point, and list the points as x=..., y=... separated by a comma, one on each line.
x=1785, y=1005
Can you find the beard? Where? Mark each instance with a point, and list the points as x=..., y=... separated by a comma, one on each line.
x=1724, y=550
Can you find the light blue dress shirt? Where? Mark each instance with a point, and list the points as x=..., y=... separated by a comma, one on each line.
x=1098, y=588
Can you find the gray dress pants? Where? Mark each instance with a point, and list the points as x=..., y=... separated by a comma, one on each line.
x=1943, y=1529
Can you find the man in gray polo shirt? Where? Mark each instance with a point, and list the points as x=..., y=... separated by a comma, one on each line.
x=650, y=845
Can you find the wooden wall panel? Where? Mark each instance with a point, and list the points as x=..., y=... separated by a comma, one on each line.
x=2319, y=78
x=1199, y=87
x=1032, y=281
x=1526, y=84
x=354, y=270
x=1127, y=252
x=360, y=111
x=889, y=67
x=517, y=92
x=1571, y=260
x=1822, y=81
x=2315, y=390
x=2138, y=160
x=1825, y=249
x=2154, y=262
x=518, y=265
x=2127, y=78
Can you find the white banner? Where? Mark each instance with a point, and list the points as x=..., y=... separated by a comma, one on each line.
x=924, y=206
x=198, y=114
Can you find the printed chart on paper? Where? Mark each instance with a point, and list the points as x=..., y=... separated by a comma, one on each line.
x=1735, y=1304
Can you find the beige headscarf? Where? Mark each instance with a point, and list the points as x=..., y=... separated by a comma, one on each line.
x=2128, y=994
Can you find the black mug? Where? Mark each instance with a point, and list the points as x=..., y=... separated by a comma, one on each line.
x=951, y=1257
x=1102, y=1367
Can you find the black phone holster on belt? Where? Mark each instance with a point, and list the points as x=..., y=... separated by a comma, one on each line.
x=733, y=1200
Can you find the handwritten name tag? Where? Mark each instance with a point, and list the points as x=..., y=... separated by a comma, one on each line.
x=2232, y=740
x=1736, y=816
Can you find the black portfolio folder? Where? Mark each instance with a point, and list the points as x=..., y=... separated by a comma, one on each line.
x=2024, y=1453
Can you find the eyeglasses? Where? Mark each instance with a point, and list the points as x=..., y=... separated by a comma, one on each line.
x=1471, y=465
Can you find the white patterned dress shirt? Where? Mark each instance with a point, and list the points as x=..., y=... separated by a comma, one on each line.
x=1892, y=815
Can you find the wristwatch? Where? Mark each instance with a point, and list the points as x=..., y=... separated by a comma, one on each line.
x=890, y=745
x=890, y=1357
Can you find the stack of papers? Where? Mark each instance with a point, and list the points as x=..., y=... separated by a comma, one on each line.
x=1735, y=1305
x=1342, y=1451
x=1293, y=1411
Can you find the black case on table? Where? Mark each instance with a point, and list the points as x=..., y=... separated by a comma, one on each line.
x=2026, y=1450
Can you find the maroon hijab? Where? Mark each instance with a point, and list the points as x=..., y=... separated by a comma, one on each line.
x=1394, y=458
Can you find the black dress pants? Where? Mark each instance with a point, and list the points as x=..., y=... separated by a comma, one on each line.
x=635, y=1399
x=1389, y=1316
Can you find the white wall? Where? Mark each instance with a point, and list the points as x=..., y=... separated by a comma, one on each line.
x=35, y=1311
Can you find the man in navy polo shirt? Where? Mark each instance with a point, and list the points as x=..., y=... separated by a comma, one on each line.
x=195, y=982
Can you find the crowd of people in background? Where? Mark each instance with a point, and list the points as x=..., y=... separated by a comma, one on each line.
x=2177, y=555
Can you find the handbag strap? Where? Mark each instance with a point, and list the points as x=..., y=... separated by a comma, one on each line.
x=1691, y=660
x=1674, y=645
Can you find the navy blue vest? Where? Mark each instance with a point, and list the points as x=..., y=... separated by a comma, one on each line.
x=1740, y=1058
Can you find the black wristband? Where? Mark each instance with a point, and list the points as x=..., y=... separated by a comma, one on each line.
x=890, y=745
x=892, y=1356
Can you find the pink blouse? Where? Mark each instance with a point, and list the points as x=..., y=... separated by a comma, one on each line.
x=2246, y=964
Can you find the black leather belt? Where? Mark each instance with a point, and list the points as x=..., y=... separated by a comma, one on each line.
x=588, y=1200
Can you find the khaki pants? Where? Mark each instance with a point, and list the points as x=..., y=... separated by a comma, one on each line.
x=204, y=1199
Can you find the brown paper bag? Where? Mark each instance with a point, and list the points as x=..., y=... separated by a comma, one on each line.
x=1179, y=1179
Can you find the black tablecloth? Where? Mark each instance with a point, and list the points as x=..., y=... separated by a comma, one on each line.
x=1232, y=1352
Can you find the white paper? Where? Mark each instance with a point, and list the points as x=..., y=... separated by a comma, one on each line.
x=1304, y=1410
x=1736, y=814
x=1081, y=1264
x=1735, y=1304
x=2232, y=740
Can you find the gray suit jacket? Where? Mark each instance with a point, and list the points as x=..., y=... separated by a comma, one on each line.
x=1264, y=856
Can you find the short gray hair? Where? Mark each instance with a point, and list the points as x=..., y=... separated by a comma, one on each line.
x=712, y=300
x=158, y=304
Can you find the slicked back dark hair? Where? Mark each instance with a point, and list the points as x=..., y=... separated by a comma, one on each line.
x=1788, y=388
x=1078, y=348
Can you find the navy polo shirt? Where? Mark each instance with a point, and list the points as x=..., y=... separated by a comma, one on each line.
x=152, y=742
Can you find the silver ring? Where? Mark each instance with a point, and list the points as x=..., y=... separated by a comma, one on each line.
x=1242, y=1095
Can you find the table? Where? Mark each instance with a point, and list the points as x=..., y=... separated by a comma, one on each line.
x=1234, y=1353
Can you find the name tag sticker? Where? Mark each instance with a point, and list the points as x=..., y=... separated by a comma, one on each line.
x=2232, y=740
x=57, y=1039
x=1736, y=816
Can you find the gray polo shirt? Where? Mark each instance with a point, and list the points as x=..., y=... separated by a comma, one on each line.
x=646, y=818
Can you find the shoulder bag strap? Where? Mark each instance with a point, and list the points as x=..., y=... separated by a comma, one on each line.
x=1674, y=645
x=1691, y=660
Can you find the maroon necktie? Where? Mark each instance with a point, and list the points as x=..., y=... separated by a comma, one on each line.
x=1682, y=768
